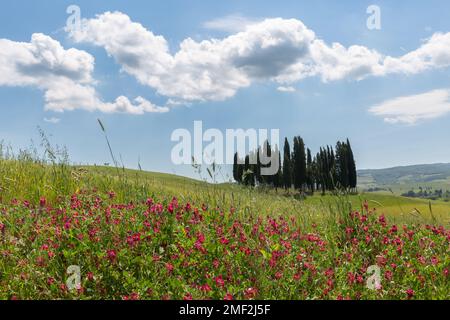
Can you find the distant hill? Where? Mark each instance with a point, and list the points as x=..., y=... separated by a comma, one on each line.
x=403, y=179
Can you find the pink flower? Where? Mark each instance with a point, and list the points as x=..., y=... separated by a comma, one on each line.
x=434, y=261
x=410, y=293
x=111, y=255
x=250, y=293
x=42, y=202
x=219, y=281
x=228, y=297
x=388, y=275
x=169, y=267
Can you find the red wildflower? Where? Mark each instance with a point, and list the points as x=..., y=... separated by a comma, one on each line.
x=169, y=267
x=250, y=293
x=111, y=255
x=434, y=260
x=205, y=288
x=410, y=293
x=228, y=297
x=219, y=281
x=388, y=275
x=42, y=202
x=187, y=296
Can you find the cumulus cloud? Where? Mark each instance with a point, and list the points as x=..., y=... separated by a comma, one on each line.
x=280, y=50
x=411, y=109
x=208, y=70
x=65, y=76
x=283, y=51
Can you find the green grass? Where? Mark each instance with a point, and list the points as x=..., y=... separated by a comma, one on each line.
x=27, y=179
x=99, y=242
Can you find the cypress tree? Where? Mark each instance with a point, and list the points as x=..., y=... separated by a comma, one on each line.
x=258, y=166
x=342, y=172
x=277, y=178
x=309, y=171
x=287, y=173
x=299, y=159
x=353, y=174
x=235, y=168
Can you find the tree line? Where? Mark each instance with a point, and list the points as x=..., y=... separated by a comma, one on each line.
x=330, y=169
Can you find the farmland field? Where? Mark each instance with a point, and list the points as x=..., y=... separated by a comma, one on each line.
x=142, y=235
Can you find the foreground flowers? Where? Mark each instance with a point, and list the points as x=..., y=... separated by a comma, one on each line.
x=172, y=250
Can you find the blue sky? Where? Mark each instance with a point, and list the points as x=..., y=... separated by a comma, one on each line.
x=331, y=104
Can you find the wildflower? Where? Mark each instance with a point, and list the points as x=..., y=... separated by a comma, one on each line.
x=382, y=220
x=388, y=275
x=63, y=287
x=410, y=293
x=228, y=297
x=187, y=296
x=394, y=229
x=169, y=267
x=250, y=293
x=111, y=255
x=50, y=281
x=434, y=261
x=219, y=281
x=42, y=202
x=351, y=278
x=205, y=288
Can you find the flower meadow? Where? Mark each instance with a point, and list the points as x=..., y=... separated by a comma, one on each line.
x=168, y=249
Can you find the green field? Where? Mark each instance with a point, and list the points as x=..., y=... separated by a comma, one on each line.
x=29, y=180
x=143, y=235
x=399, y=180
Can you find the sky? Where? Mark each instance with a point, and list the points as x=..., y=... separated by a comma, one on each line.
x=146, y=68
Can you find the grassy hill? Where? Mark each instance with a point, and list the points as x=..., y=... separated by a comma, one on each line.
x=29, y=180
x=213, y=241
x=403, y=179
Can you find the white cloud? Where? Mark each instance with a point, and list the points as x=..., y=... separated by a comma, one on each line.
x=65, y=76
x=52, y=120
x=207, y=70
x=230, y=23
x=281, y=50
x=411, y=109
x=434, y=53
x=286, y=89
x=278, y=50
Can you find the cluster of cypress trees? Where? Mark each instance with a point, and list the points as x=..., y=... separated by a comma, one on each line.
x=247, y=171
x=328, y=170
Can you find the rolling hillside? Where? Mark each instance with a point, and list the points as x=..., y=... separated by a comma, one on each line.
x=403, y=179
